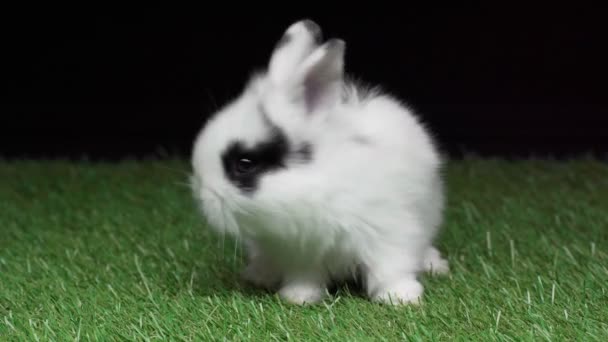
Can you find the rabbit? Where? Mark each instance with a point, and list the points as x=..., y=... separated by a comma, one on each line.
x=321, y=179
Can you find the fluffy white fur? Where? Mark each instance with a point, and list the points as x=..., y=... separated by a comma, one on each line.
x=370, y=200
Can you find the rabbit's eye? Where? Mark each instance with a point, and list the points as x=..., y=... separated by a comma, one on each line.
x=245, y=165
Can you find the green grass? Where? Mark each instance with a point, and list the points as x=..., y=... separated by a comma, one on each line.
x=117, y=252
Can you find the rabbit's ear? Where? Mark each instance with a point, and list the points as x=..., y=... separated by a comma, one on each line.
x=319, y=78
x=298, y=41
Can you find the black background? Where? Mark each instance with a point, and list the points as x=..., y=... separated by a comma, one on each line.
x=115, y=82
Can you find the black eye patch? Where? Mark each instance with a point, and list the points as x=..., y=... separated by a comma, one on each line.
x=244, y=166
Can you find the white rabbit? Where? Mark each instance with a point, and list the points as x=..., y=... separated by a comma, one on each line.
x=320, y=179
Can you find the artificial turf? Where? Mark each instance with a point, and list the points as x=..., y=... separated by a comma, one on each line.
x=95, y=251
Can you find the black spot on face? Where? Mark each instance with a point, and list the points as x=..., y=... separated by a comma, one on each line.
x=244, y=166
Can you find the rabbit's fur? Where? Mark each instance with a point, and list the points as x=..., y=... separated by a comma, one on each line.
x=322, y=179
